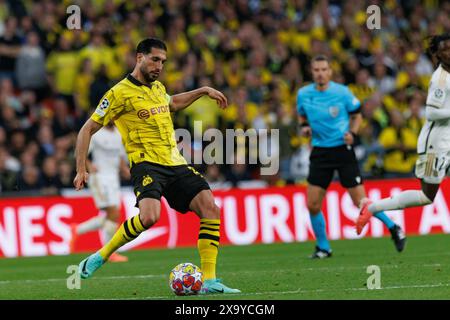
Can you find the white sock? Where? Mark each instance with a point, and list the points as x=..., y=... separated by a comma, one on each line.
x=405, y=199
x=91, y=224
x=109, y=228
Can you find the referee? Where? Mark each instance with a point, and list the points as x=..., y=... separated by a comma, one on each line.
x=330, y=113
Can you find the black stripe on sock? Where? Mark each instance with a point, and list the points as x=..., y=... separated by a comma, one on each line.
x=210, y=229
x=133, y=226
x=210, y=224
x=213, y=244
x=208, y=236
x=126, y=238
x=127, y=231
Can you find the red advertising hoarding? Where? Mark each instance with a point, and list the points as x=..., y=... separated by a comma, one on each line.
x=40, y=226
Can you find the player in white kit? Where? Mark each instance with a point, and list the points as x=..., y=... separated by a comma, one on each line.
x=433, y=145
x=108, y=159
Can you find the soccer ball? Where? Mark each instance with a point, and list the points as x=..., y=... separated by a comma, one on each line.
x=186, y=279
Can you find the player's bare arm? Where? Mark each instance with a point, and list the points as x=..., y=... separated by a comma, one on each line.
x=81, y=151
x=183, y=100
x=125, y=169
x=355, y=123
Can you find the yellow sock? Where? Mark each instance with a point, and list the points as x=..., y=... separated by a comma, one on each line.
x=208, y=246
x=128, y=231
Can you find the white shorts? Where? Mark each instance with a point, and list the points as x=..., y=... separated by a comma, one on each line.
x=433, y=167
x=105, y=190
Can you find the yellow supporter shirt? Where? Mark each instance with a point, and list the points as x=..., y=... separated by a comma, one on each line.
x=196, y=111
x=142, y=115
x=82, y=88
x=103, y=55
x=397, y=160
x=64, y=67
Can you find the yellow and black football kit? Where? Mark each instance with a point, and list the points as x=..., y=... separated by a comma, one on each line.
x=142, y=115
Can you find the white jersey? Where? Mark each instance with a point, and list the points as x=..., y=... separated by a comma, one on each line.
x=433, y=145
x=107, y=150
x=435, y=135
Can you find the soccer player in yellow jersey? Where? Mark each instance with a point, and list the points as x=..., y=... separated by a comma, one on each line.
x=140, y=109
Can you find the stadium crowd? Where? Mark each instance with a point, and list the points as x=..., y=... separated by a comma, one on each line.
x=257, y=52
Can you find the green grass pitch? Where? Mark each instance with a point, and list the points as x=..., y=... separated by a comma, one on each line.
x=275, y=271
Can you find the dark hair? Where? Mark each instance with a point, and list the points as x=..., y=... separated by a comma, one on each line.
x=146, y=45
x=434, y=42
x=320, y=57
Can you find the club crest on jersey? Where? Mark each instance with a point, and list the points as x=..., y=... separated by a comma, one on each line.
x=146, y=180
x=334, y=111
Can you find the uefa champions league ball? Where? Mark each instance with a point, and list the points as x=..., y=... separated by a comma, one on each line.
x=186, y=279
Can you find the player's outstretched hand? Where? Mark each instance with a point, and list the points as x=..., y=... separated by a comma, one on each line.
x=218, y=96
x=80, y=180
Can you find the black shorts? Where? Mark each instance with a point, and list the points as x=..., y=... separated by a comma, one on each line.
x=324, y=161
x=178, y=184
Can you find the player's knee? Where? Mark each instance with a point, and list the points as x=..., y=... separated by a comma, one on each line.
x=148, y=218
x=209, y=210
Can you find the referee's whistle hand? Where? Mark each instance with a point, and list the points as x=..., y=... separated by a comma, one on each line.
x=306, y=132
x=348, y=138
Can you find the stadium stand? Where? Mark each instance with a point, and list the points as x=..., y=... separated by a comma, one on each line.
x=256, y=52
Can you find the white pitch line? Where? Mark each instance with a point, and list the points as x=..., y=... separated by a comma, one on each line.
x=94, y=278
x=299, y=290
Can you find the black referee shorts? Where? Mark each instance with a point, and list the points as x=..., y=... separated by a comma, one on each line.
x=178, y=184
x=324, y=161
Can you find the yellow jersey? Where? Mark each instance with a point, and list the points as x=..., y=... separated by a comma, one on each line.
x=142, y=115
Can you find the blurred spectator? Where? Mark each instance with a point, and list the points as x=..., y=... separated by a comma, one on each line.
x=381, y=80
x=8, y=177
x=17, y=143
x=46, y=141
x=400, y=145
x=361, y=88
x=9, y=48
x=215, y=178
x=30, y=179
x=416, y=117
x=65, y=173
x=62, y=66
x=50, y=179
x=237, y=172
x=98, y=87
x=30, y=67
x=63, y=122
x=82, y=85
